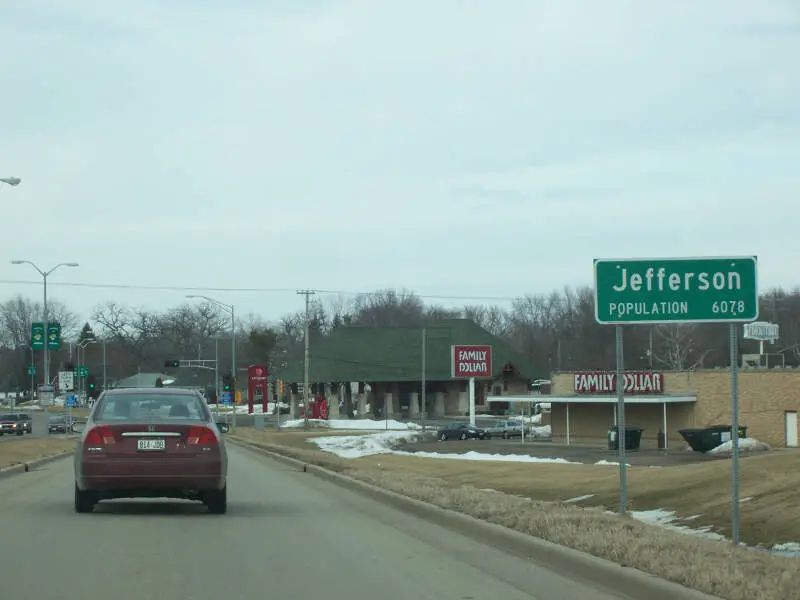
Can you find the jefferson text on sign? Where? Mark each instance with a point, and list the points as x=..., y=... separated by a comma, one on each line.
x=470, y=361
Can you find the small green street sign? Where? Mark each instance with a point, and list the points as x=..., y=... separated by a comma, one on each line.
x=81, y=372
x=37, y=336
x=676, y=290
x=31, y=370
x=53, y=336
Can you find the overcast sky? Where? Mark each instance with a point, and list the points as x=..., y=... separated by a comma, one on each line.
x=451, y=147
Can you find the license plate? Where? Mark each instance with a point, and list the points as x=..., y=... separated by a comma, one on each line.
x=151, y=444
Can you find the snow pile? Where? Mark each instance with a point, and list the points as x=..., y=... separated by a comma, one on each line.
x=745, y=445
x=472, y=455
x=787, y=549
x=355, y=424
x=541, y=432
x=356, y=446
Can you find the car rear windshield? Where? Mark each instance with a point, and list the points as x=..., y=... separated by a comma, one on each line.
x=150, y=407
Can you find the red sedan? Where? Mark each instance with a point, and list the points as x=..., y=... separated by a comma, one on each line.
x=151, y=443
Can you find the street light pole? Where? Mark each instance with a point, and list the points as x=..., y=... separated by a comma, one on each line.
x=232, y=310
x=44, y=274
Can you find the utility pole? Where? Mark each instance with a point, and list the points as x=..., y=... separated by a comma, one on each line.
x=307, y=294
x=424, y=396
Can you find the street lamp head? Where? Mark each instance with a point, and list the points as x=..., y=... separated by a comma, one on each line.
x=12, y=181
x=17, y=262
x=192, y=296
x=71, y=264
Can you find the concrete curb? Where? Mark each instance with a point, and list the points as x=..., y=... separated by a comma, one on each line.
x=634, y=584
x=32, y=464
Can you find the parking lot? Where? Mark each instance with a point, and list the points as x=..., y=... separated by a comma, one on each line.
x=583, y=453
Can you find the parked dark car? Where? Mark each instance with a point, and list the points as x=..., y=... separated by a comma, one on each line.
x=462, y=431
x=151, y=443
x=16, y=423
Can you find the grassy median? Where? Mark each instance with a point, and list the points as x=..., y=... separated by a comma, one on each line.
x=524, y=497
x=28, y=449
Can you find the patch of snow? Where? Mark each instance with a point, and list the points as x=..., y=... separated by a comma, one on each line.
x=746, y=499
x=357, y=446
x=580, y=498
x=745, y=445
x=787, y=549
x=667, y=519
x=610, y=463
x=472, y=455
x=356, y=424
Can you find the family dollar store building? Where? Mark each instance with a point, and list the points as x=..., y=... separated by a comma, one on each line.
x=584, y=404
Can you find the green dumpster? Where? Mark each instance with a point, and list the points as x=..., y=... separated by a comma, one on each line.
x=633, y=438
x=707, y=438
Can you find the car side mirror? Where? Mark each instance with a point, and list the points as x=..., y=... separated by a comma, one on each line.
x=223, y=427
x=78, y=427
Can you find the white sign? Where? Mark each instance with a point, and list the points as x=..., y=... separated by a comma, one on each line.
x=66, y=381
x=761, y=331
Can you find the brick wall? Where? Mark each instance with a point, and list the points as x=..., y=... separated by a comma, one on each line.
x=764, y=398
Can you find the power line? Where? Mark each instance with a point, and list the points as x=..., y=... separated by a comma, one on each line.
x=172, y=288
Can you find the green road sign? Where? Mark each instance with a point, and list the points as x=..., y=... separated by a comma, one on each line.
x=37, y=336
x=31, y=370
x=81, y=372
x=53, y=336
x=676, y=290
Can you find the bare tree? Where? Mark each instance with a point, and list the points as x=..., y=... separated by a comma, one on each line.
x=188, y=327
x=492, y=318
x=388, y=308
x=134, y=328
x=19, y=313
x=676, y=348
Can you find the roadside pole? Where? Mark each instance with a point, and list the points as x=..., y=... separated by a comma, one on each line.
x=621, y=432
x=424, y=398
x=734, y=436
x=472, y=401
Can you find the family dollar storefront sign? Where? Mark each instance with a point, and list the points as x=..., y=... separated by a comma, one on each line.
x=677, y=290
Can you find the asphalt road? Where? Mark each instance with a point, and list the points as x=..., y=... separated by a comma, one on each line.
x=287, y=535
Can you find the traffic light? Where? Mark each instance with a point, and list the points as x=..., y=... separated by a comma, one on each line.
x=227, y=383
x=91, y=385
x=172, y=364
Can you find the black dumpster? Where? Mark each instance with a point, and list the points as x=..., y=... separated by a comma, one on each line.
x=707, y=438
x=633, y=438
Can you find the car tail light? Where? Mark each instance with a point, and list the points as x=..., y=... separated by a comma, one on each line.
x=99, y=436
x=200, y=435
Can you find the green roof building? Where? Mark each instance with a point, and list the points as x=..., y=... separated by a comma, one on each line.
x=389, y=359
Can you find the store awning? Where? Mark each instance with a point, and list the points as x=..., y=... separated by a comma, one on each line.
x=597, y=399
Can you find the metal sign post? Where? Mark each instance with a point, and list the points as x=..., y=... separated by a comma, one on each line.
x=622, y=438
x=734, y=436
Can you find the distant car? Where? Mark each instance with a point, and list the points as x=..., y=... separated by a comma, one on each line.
x=16, y=423
x=150, y=443
x=61, y=424
x=462, y=431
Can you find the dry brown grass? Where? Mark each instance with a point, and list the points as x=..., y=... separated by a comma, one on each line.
x=21, y=451
x=76, y=412
x=713, y=567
